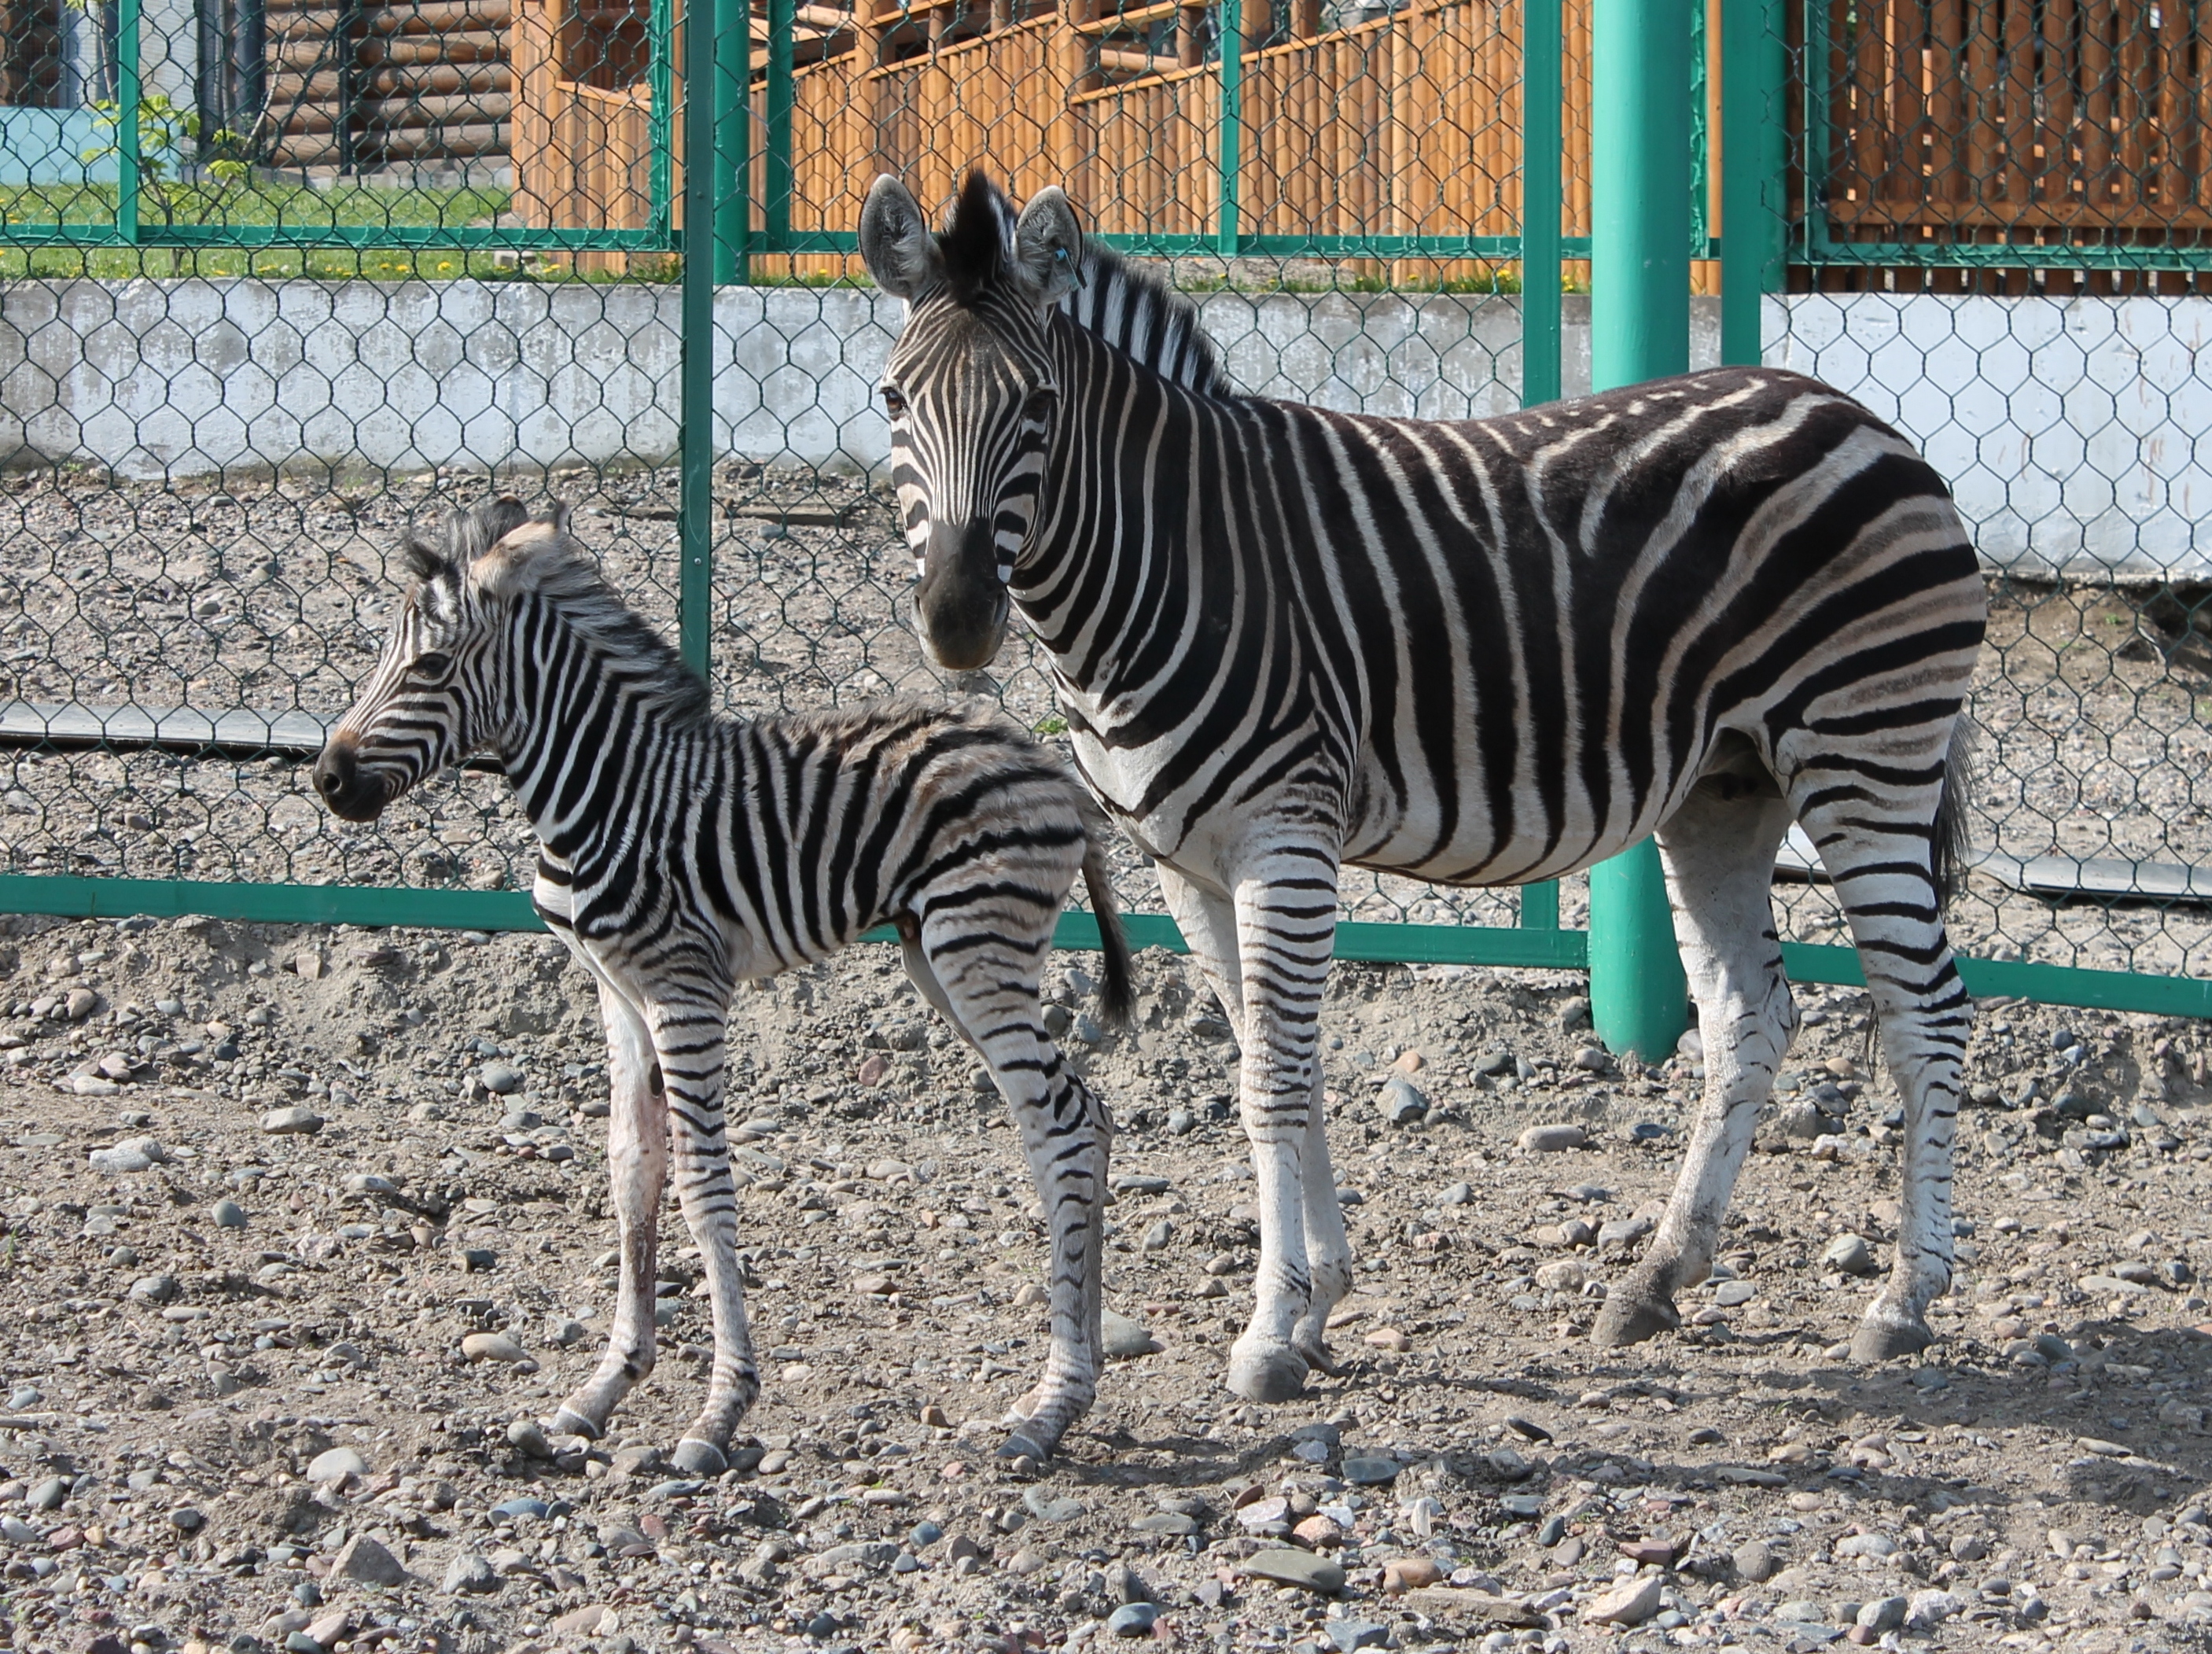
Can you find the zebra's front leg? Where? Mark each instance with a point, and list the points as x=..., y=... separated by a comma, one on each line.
x=637, y=1168
x=690, y=1039
x=1286, y=914
x=1330, y=1253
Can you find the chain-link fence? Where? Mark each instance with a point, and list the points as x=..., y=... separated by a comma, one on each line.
x=345, y=265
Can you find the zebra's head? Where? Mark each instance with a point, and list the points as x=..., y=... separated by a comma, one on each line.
x=970, y=391
x=434, y=698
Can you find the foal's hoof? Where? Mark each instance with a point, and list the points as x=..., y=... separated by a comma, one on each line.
x=694, y=1457
x=1019, y=1446
x=1883, y=1335
x=1267, y=1372
x=567, y=1422
x=1631, y=1317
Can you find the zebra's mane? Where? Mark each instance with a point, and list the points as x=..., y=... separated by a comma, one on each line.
x=483, y=544
x=1131, y=306
x=1132, y=309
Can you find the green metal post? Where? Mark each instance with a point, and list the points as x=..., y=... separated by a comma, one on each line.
x=695, y=477
x=1232, y=159
x=129, y=90
x=1639, y=330
x=733, y=75
x=660, y=119
x=782, y=16
x=1540, y=144
x=1753, y=155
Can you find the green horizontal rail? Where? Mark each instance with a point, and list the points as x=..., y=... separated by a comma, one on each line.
x=1500, y=247
x=1822, y=249
x=362, y=237
x=74, y=897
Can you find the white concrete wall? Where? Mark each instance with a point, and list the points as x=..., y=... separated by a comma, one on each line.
x=2078, y=433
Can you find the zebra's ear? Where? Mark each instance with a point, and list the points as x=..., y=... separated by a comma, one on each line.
x=895, y=244
x=1049, y=247
x=423, y=561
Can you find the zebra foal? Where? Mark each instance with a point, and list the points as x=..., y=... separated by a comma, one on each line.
x=682, y=852
x=1482, y=652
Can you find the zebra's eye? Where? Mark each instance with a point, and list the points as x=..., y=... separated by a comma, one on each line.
x=435, y=664
x=894, y=403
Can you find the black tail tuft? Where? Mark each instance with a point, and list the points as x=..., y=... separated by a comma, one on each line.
x=1117, y=995
x=1950, y=841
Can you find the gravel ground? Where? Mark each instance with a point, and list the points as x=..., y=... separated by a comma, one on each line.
x=278, y=1387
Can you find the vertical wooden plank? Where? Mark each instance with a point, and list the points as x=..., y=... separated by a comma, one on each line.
x=2099, y=21
x=2135, y=100
x=1945, y=184
x=2017, y=149
x=1981, y=101
x=2170, y=72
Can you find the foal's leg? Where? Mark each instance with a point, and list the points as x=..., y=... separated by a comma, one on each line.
x=1719, y=850
x=690, y=1035
x=982, y=974
x=637, y=1164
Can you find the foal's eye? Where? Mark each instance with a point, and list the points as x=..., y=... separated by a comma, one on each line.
x=435, y=664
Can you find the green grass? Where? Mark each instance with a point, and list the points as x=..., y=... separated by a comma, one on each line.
x=297, y=209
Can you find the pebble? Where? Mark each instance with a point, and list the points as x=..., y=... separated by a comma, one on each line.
x=1402, y=1102
x=1301, y=1568
x=186, y=1519
x=1459, y=1195
x=525, y=1508
x=492, y=1347
x=1733, y=1292
x=1124, y=1337
x=1887, y=1614
x=48, y=1494
x=1553, y=1140
x=468, y=1572
x=1174, y=1523
x=1133, y=1620
x=1404, y=1574
x=1630, y=1603
x=499, y=1079
x=1367, y=1471
x=525, y=1436
x=1346, y=1635
x=1850, y=1254
x=131, y=1154
x=228, y=1214
x=1592, y=1059
x=1624, y=1231
x=336, y=1464
x=1047, y=1506
x=294, y=1122
x=1926, y=1609
x=1754, y=1562
x=1875, y=1545
x=364, y=1562
x=155, y=1289
x=592, y=1620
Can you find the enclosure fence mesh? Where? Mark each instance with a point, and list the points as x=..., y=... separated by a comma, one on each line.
x=278, y=279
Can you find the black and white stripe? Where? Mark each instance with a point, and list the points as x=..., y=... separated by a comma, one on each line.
x=682, y=852
x=1485, y=652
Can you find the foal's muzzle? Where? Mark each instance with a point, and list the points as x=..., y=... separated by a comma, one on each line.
x=343, y=787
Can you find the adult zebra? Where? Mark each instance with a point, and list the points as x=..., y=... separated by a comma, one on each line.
x=1480, y=653
x=681, y=853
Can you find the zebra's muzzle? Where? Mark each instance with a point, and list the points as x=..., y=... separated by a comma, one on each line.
x=961, y=603
x=348, y=792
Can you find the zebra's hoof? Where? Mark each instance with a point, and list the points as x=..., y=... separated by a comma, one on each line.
x=1019, y=1446
x=1268, y=1373
x=569, y=1422
x=1630, y=1317
x=694, y=1457
x=1888, y=1336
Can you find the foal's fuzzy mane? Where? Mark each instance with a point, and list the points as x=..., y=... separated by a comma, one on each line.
x=504, y=551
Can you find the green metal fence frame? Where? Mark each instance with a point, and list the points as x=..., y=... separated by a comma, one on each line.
x=1753, y=186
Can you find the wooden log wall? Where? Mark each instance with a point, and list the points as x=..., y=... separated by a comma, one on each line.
x=357, y=86
x=31, y=53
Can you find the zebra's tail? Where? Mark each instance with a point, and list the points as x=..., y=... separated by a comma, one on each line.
x=1952, y=845
x=1116, y=994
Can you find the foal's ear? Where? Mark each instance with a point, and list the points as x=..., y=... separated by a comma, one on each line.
x=424, y=560
x=895, y=244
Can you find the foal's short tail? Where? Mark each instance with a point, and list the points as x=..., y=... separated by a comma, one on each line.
x=1117, y=996
x=1949, y=842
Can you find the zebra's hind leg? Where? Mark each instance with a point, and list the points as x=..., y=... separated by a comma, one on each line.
x=690, y=1037
x=980, y=972
x=637, y=1167
x=1718, y=850
x=1884, y=879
